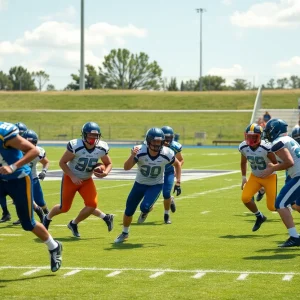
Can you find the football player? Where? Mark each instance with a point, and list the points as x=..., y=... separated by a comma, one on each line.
x=3, y=203
x=78, y=163
x=257, y=152
x=288, y=151
x=170, y=174
x=151, y=159
x=16, y=182
x=40, y=206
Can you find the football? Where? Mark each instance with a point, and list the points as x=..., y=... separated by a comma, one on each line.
x=99, y=168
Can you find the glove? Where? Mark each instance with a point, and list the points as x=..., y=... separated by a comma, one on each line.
x=42, y=175
x=177, y=189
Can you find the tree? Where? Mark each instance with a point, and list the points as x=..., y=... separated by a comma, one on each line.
x=212, y=83
x=271, y=84
x=173, y=85
x=295, y=82
x=50, y=87
x=93, y=80
x=240, y=84
x=21, y=79
x=41, y=78
x=123, y=70
x=282, y=82
x=182, y=86
x=5, y=83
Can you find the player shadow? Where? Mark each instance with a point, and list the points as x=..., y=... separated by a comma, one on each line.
x=147, y=223
x=283, y=256
x=3, y=281
x=71, y=239
x=246, y=236
x=129, y=246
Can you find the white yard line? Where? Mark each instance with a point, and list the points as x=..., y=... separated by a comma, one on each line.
x=199, y=275
x=32, y=272
x=72, y=272
x=159, y=272
x=243, y=276
x=113, y=273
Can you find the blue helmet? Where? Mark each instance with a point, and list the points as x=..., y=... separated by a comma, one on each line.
x=274, y=128
x=296, y=134
x=253, y=135
x=169, y=134
x=22, y=128
x=31, y=136
x=155, y=134
x=92, y=128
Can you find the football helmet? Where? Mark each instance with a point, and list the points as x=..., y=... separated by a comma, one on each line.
x=93, y=128
x=169, y=134
x=253, y=135
x=274, y=128
x=296, y=134
x=31, y=136
x=22, y=128
x=155, y=134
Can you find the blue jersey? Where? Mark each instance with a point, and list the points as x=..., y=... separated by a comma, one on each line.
x=9, y=155
x=176, y=147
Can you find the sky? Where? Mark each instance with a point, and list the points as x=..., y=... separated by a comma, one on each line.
x=251, y=39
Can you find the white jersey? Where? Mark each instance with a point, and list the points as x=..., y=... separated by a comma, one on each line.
x=83, y=163
x=258, y=158
x=293, y=147
x=151, y=169
x=33, y=163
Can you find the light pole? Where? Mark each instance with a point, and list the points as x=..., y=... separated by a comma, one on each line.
x=200, y=11
x=82, y=82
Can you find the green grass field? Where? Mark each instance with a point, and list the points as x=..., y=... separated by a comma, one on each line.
x=208, y=252
x=132, y=126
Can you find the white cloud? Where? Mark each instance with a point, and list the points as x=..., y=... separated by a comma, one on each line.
x=3, y=4
x=12, y=48
x=68, y=13
x=67, y=35
x=279, y=14
x=227, y=2
x=293, y=62
x=234, y=71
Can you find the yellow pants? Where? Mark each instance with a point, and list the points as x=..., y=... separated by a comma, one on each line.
x=255, y=183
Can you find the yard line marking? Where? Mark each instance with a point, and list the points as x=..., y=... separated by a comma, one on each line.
x=72, y=272
x=199, y=275
x=194, y=195
x=155, y=270
x=156, y=274
x=113, y=274
x=205, y=212
x=10, y=234
x=242, y=276
x=287, y=277
x=31, y=272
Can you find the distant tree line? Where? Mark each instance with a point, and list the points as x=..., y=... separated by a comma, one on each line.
x=124, y=70
x=20, y=79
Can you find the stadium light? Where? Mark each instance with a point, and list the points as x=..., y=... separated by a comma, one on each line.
x=200, y=11
x=82, y=82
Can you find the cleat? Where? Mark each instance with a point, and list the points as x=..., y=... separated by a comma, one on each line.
x=74, y=229
x=39, y=211
x=121, y=238
x=142, y=217
x=173, y=206
x=18, y=222
x=5, y=218
x=46, y=222
x=259, y=221
x=56, y=257
x=167, y=219
x=109, y=220
x=291, y=242
x=259, y=196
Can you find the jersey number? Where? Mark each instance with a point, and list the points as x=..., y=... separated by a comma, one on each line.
x=152, y=172
x=86, y=164
x=295, y=147
x=257, y=162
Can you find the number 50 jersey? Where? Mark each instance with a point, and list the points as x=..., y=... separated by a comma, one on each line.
x=151, y=169
x=258, y=158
